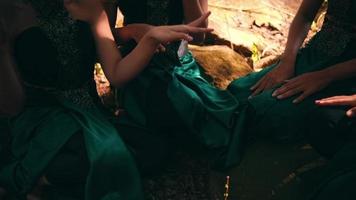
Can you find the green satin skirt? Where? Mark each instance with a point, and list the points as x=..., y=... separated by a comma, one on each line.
x=173, y=100
x=40, y=132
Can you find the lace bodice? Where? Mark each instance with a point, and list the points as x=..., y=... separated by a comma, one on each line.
x=338, y=30
x=72, y=42
x=155, y=12
x=58, y=56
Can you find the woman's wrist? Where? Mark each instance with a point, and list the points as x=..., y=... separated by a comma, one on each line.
x=289, y=57
x=151, y=39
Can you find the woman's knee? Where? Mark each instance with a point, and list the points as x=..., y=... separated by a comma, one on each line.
x=325, y=132
x=71, y=164
x=112, y=150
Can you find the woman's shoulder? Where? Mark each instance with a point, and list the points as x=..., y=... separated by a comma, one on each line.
x=18, y=16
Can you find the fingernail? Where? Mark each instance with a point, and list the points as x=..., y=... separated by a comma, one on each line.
x=349, y=113
x=295, y=101
x=280, y=97
x=274, y=94
x=250, y=97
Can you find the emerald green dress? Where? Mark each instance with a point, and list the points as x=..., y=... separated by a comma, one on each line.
x=170, y=107
x=56, y=60
x=172, y=100
x=334, y=43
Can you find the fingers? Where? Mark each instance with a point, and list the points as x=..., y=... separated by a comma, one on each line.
x=289, y=93
x=258, y=87
x=161, y=48
x=181, y=36
x=335, y=101
x=333, y=98
x=254, y=87
x=351, y=112
x=303, y=96
x=264, y=84
x=289, y=89
x=198, y=22
x=190, y=29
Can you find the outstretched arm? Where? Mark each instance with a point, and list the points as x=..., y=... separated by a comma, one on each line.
x=297, y=34
x=117, y=69
x=193, y=10
x=121, y=70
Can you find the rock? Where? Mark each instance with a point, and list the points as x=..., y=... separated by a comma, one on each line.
x=221, y=63
x=254, y=22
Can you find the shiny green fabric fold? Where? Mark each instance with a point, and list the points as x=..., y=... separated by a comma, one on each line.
x=40, y=132
x=212, y=115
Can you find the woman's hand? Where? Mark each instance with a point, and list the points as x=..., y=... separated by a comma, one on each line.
x=140, y=30
x=305, y=85
x=340, y=101
x=278, y=75
x=166, y=34
x=85, y=10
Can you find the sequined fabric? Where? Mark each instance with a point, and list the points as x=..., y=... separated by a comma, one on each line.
x=74, y=47
x=157, y=12
x=335, y=35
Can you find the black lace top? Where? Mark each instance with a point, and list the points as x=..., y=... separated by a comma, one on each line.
x=338, y=34
x=155, y=12
x=58, y=56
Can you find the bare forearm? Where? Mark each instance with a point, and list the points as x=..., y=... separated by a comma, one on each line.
x=120, y=70
x=135, y=62
x=300, y=27
x=122, y=34
x=11, y=91
x=341, y=71
x=130, y=32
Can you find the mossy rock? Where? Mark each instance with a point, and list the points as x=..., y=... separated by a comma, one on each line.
x=221, y=63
